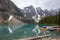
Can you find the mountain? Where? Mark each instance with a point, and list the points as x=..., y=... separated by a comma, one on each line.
x=37, y=13
x=50, y=12
x=51, y=20
x=7, y=8
x=47, y=12
x=40, y=11
x=29, y=12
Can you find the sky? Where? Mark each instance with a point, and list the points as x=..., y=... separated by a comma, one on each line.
x=44, y=4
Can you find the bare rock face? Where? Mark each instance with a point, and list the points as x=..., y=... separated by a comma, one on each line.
x=7, y=8
x=15, y=21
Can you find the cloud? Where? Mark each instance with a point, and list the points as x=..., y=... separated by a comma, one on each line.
x=44, y=4
x=50, y=4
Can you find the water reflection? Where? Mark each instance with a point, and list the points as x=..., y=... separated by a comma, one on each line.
x=10, y=31
x=42, y=31
x=36, y=29
x=25, y=31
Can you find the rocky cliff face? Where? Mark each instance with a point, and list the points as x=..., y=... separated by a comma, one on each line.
x=7, y=8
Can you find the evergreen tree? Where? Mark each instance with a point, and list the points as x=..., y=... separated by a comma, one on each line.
x=51, y=19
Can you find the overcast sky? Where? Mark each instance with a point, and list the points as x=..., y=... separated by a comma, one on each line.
x=44, y=4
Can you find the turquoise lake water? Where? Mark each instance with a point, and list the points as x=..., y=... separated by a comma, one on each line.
x=22, y=32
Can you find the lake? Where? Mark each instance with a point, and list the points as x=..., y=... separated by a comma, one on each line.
x=23, y=31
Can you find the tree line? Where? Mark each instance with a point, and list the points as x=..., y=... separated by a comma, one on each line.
x=51, y=20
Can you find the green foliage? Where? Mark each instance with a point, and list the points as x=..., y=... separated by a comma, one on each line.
x=52, y=20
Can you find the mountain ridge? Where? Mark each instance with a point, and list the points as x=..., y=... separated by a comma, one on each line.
x=7, y=8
